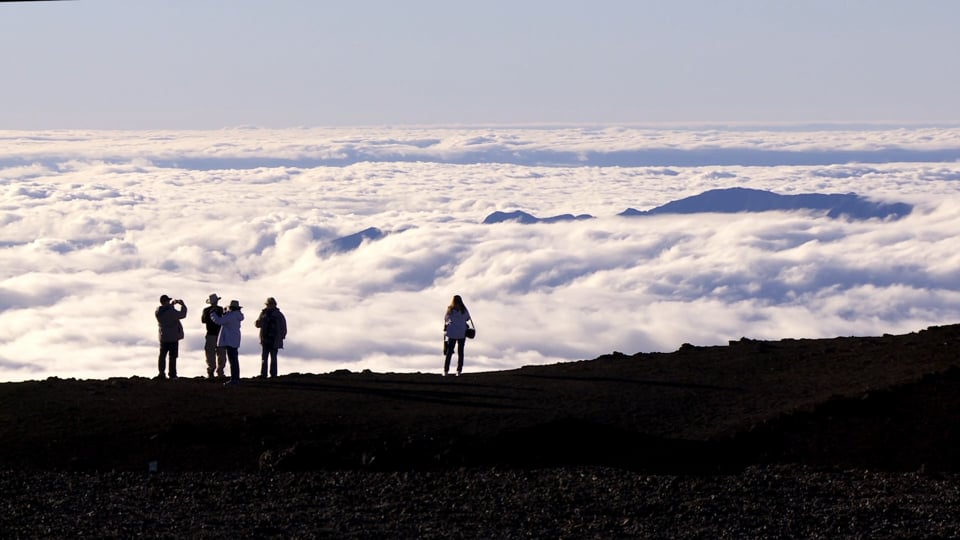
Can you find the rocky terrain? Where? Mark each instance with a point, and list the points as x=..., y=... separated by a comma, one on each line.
x=850, y=437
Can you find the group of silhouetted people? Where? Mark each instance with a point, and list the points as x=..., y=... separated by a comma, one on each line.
x=222, y=340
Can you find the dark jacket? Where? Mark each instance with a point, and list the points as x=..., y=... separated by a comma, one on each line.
x=168, y=319
x=213, y=329
x=273, y=328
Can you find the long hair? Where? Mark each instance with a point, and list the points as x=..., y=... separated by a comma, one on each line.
x=457, y=304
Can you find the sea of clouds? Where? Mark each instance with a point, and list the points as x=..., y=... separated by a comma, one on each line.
x=96, y=225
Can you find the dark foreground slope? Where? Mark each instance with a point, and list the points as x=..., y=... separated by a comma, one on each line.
x=852, y=437
x=888, y=402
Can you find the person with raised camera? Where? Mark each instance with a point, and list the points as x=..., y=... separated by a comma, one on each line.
x=171, y=332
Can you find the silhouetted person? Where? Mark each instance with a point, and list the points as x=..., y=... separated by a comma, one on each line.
x=171, y=332
x=229, y=337
x=455, y=324
x=216, y=356
x=273, y=329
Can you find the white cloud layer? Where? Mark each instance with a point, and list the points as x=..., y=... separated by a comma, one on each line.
x=96, y=225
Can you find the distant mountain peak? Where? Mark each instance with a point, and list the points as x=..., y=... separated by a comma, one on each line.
x=353, y=241
x=525, y=218
x=739, y=199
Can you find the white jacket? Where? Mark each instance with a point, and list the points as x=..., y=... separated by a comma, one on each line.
x=229, y=328
x=455, y=324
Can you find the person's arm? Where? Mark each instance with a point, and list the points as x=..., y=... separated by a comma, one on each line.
x=183, y=312
x=215, y=318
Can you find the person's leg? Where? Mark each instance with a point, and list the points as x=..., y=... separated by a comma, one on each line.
x=162, y=361
x=447, y=353
x=210, y=351
x=234, y=357
x=221, y=361
x=174, y=353
x=273, y=362
x=460, y=343
x=264, y=353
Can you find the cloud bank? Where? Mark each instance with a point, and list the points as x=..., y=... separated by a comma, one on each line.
x=364, y=235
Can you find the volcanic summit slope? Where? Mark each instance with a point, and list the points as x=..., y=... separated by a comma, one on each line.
x=890, y=402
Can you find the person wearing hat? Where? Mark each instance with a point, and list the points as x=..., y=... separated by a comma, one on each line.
x=216, y=356
x=273, y=329
x=229, y=337
x=171, y=332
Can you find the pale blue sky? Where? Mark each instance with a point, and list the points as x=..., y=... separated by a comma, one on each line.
x=281, y=63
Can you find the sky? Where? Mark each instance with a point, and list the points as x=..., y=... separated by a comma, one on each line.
x=204, y=64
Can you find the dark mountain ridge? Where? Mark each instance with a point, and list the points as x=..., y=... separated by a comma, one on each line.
x=520, y=216
x=739, y=199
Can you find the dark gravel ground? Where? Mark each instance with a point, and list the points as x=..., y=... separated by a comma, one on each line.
x=581, y=502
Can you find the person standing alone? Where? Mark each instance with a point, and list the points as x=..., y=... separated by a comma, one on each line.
x=229, y=337
x=216, y=356
x=171, y=332
x=455, y=324
x=273, y=329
